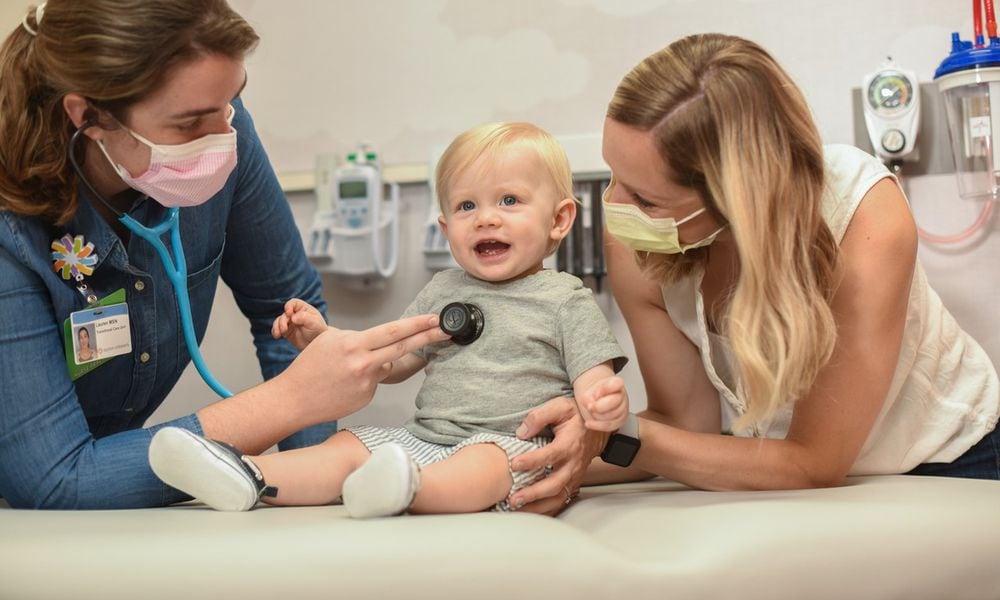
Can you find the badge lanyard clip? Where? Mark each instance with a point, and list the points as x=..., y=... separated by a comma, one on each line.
x=73, y=258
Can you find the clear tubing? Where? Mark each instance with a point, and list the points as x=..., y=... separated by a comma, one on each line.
x=934, y=238
x=386, y=270
x=982, y=219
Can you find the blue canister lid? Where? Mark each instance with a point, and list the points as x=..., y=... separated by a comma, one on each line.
x=965, y=56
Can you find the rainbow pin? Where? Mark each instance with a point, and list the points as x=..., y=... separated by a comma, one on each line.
x=72, y=257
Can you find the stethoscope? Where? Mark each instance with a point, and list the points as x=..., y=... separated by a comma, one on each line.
x=176, y=269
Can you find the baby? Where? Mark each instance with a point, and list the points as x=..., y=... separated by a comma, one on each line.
x=522, y=335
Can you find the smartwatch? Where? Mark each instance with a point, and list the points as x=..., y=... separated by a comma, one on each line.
x=624, y=444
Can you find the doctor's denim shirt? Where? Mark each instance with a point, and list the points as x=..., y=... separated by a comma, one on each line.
x=81, y=445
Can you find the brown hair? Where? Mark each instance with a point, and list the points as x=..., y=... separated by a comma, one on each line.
x=113, y=52
x=730, y=124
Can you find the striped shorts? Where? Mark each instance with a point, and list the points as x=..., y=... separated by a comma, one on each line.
x=425, y=453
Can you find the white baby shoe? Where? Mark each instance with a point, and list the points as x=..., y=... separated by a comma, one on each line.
x=210, y=471
x=384, y=486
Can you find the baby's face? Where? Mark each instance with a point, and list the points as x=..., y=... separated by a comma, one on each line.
x=499, y=217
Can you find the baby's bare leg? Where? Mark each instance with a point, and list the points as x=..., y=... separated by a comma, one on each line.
x=314, y=475
x=473, y=479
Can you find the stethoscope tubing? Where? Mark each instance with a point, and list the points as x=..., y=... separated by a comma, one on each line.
x=176, y=268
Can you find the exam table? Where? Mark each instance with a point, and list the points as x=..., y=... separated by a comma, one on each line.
x=875, y=537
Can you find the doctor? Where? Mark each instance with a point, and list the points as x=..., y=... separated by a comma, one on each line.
x=153, y=90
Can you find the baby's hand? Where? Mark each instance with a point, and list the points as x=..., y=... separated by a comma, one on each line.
x=604, y=405
x=300, y=324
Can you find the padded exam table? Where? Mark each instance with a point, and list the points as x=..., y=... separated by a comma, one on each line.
x=875, y=537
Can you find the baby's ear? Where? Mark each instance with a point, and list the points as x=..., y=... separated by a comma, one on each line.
x=564, y=216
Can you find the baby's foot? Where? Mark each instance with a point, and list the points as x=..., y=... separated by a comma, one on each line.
x=213, y=472
x=384, y=486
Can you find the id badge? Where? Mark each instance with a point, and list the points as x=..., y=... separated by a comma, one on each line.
x=96, y=334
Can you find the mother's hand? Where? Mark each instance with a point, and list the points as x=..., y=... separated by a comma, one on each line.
x=337, y=373
x=569, y=454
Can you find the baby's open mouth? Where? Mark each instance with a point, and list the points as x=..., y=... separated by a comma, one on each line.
x=491, y=247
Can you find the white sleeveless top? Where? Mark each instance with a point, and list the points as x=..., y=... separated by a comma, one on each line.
x=944, y=396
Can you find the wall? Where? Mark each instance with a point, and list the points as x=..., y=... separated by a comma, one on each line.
x=11, y=12
x=409, y=75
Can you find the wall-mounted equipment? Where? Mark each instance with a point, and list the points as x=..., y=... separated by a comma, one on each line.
x=581, y=252
x=969, y=82
x=892, y=110
x=437, y=252
x=355, y=230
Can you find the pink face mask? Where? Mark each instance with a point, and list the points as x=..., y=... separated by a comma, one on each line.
x=184, y=174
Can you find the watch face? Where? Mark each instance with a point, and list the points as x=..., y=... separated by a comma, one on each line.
x=890, y=93
x=621, y=450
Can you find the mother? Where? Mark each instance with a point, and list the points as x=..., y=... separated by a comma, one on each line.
x=786, y=333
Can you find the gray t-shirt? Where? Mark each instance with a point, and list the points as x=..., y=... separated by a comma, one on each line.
x=541, y=333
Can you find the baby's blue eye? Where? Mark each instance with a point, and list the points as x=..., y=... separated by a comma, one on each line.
x=467, y=205
x=508, y=201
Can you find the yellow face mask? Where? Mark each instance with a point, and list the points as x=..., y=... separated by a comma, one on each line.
x=639, y=231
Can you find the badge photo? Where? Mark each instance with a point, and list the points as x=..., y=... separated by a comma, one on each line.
x=83, y=348
x=100, y=332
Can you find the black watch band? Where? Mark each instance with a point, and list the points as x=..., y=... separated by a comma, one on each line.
x=624, y=444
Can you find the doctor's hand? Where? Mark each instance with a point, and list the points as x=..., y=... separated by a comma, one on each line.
x=334, y=376
x=569, y=454
x=337, y=373
x=300, y=324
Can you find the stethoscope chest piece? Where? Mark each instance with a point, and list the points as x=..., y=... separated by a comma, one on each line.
x=463, y=322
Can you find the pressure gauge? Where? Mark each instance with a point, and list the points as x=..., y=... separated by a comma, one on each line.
x=891, y=102
x=890, y=92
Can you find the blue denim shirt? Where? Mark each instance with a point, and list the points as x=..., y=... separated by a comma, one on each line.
x=80, y=444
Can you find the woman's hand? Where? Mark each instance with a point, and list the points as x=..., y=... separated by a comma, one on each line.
x=334, y=376
x=569, y=454
x=337, y=373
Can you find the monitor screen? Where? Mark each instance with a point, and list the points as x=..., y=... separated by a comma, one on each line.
x=353, y=189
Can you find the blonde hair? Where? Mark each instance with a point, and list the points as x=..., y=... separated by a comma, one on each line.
x=729, y=123
x=487, y=140
x=114, y=53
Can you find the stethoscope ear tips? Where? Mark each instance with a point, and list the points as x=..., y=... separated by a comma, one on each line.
x=463, y=322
